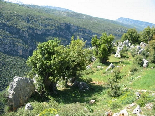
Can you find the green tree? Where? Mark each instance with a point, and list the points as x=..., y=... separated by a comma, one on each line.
x=47, y=61
x=103, y=46
x=52, y=61
x=77, y=56
x=131, y=35
x=147, y=34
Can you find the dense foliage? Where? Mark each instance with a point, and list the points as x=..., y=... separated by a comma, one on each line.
x=52, y=61
x=9, y=67
x=131, y=35
x=103, y=46
x=134, y=37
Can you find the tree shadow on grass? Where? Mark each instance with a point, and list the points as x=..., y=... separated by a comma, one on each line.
x=73, y=95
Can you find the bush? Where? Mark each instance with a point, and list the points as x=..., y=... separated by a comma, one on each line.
x=133, y=68
x=138, y=60
x=115, y=88
x=124, y=53
x=144, y=99
x=49, y=112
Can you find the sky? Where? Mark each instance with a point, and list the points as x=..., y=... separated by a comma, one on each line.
x=143, y=10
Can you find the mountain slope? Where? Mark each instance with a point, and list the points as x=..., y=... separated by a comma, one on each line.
x=140, y=25
x=23, y=26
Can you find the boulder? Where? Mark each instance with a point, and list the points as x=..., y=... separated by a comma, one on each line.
x=123, y=113
x=81, y=85
x=137, y=110
x=145, y=63
x=28, y=106
x=19, y=91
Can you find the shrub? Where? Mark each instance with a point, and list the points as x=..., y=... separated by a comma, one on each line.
x=127, y=98
x=144, y=99
x=124, y=53
x=138, y=60
x=133, y=68
x=49, y=112
x=115, y=88
x=133, y=52
x=114, y=104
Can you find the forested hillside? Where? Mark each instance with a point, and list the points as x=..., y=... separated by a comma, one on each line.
x=10, y=67
x=22, y=27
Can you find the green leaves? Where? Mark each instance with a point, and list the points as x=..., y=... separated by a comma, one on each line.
x=51, y=61
x=103, y=46
x=132, y=35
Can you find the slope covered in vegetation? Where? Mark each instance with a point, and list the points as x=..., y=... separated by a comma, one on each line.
x=23, y=27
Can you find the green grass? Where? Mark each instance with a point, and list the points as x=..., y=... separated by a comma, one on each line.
x=146, y=81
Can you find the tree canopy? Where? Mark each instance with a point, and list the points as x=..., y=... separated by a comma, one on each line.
x=132, y=35
x=103, y=46
x=52, y=61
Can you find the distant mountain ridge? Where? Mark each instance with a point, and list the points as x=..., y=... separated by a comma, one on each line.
x=140, y=25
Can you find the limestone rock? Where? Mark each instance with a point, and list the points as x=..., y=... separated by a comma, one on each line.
x=28, y=106
x=145, y=63
x=123, y=113
x=19, y=91
x=137, y=110
x=137, y=95
x=111, y=66
x=92, y=101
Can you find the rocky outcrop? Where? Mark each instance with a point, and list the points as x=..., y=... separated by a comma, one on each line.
x=19, y=91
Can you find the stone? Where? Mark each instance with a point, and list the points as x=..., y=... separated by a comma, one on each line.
x=115, y=114
x=28, y=106
x=137, y=110
x=20, y=90
x=131, y=105
x=145, y=63
x=99, y=67
x=109, y=113
x=149, y=106
x=93, y=58
x=91, y=101
x=123, y=113
x=143, y=45
x=111, y=66
x=137, y=95
x=81, y=85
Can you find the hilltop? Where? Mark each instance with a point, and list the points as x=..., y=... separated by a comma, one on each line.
x=139, y=25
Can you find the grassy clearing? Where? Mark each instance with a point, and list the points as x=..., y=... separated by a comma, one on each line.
x=146, y=81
